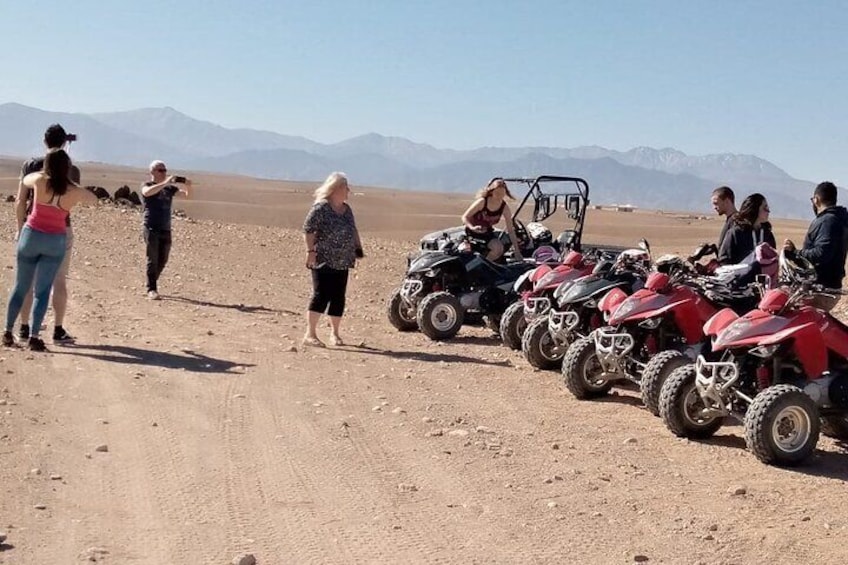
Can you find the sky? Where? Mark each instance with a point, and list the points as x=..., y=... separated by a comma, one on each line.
x=766, y=78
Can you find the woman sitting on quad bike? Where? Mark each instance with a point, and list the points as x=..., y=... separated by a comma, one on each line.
x=485, y=212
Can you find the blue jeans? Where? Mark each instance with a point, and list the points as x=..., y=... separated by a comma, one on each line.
x=39, y=257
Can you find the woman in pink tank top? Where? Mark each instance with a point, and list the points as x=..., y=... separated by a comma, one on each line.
x=485, y=212
x=42, y=240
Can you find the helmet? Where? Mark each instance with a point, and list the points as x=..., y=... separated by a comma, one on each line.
x=545, y=254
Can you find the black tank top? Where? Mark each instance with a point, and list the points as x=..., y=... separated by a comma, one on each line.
x=488, y=218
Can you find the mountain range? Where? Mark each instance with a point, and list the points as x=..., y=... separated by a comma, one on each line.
x=643, y=176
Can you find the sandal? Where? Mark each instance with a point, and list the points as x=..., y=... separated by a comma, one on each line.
x=313, y=342
x=336, y=340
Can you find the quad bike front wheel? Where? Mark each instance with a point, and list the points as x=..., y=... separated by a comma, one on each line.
x=782, y=425
x=539, y=347
x=681, y=406
x=440, y=316
x=513, y=325
x=582, y=372
x=400, y=314
x=656, y=372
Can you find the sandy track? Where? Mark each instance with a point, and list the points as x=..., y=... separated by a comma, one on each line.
x=400, y=450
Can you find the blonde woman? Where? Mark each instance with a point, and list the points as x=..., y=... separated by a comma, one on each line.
x=485, y=212
x=332, y=247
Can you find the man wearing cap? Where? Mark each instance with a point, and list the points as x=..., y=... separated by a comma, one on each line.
x=55, y=137
x=157, y=195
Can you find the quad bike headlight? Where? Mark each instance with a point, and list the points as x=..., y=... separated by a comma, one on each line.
x=650, y=323
x=765, y=351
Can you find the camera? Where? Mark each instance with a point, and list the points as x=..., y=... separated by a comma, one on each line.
x=70, y=137
x=180, y=179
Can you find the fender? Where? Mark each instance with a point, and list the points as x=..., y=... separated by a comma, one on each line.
x=522, y=282
x=719, y=321
x=612, y=300
x=808, y=346
x=539, y=272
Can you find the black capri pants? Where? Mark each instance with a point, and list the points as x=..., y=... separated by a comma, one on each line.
x=328, y=291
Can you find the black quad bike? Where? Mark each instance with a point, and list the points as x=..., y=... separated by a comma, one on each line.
x=449, y=282
x=575, y=312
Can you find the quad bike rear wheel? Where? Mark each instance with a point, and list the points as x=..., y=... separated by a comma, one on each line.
x=440, y=316
x=782, y=425
x=513, y=325
x=835, y=427
x=539, y=347
x=681, y=406
x=582, y=371
x=493, y=323
x=401, y=316
x=656, y=372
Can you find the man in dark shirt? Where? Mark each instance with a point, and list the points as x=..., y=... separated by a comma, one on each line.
x=724, y=204
x=826, y=242
x=157, y=194
x=55, y=137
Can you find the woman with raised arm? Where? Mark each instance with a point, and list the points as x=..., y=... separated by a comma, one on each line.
x=42, y=240
x=485, y=212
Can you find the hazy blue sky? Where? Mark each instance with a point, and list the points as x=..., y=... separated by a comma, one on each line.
x=767, y=78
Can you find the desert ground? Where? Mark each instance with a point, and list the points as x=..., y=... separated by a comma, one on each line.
x=196, y=428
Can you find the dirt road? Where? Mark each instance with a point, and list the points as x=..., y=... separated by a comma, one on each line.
x=222, y=435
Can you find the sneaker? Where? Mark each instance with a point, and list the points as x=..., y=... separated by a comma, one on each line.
x=23, y=332
x=8, y=339
x=152, y=295
x=36, y=344
x=60, y=335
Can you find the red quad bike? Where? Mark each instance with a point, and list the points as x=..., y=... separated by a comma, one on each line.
x=575, y=313
x=652, y=332
x=536, y=289
x=782, y=370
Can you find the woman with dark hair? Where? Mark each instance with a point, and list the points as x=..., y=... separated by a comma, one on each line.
x=750, y=227
x=485, y=212
x=42, y=240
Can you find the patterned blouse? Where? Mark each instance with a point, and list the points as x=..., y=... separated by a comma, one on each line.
x=335, y=236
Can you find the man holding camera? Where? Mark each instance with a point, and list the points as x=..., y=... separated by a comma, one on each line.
x=157, y=195
x=55, y=137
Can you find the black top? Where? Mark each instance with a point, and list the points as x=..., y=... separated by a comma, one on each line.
x=826, y=245
x=740, y=241
x=335, y=235
x=157, y=208
x=35, y=165
x=488, y=218
x=727, y=223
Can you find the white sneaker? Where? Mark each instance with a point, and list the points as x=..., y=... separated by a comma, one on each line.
x=152, y=295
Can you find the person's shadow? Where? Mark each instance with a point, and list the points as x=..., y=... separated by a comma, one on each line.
x=187, y=359
x=238, y=307
x=421, y=356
